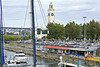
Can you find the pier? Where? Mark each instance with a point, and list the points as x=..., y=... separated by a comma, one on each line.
x=67, y=58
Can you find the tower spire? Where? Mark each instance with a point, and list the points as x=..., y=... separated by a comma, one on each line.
x=51, y=14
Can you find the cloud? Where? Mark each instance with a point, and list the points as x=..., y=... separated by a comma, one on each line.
x=65, y=10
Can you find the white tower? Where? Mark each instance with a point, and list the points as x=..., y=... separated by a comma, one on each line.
x=51, y=14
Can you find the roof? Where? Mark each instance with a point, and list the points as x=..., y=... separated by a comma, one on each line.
x=79, y=49
x=66, y=48
x=57, y=47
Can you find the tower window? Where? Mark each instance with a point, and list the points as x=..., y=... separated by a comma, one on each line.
x=48, y=14
x=52, y=14
x=51, y=6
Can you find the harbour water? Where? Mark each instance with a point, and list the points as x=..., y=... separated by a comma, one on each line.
x=41, y=61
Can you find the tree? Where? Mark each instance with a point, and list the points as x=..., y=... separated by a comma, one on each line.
x=20, y=37
x=9, y=38
x=72, y=30
x=56, y=31
x=93, y=30
x=50, y=27
x=44, y=37
x=14, y=38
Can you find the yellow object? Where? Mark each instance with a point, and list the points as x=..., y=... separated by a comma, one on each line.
x=48, y=49
x=93, y=59
x=65, y=51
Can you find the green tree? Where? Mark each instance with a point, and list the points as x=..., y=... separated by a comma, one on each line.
x=56, y=31
x=93, y=30
x=72, y=30
x=50, y=27
x=20, y=37
x=44, y=37
x=25, y=38
x=9, y=38
x=14, y=38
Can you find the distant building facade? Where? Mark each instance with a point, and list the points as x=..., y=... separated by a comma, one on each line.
x=39, y=32
x=51, y=14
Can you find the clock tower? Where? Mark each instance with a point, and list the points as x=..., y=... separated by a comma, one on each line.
x=51, y=14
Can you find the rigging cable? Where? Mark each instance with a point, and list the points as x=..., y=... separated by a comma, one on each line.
x=42, y=12
x=26, y=13
x=24, y=34
x=36, y=16
x=25, y=18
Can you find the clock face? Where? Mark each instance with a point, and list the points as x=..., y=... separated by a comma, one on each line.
x=52, y=14
x=48, y=14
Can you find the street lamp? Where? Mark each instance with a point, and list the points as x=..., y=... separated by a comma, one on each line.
x=84, y=27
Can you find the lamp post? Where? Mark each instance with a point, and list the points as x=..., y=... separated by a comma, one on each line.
x=84, y=27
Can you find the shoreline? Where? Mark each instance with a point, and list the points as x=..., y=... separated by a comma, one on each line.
x=30, y=52
x=50, y=56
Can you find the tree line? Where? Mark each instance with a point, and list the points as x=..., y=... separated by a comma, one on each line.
x=14, y=38
x=74, y=31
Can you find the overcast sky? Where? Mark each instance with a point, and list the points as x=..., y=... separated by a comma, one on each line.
x=65, y=11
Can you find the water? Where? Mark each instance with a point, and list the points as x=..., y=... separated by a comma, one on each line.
x=42, y=61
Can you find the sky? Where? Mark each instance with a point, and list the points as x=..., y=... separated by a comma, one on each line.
x=66, y=11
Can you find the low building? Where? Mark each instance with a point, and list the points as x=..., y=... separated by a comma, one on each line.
x=98, y=52
x=41, y=32
x=68, y=50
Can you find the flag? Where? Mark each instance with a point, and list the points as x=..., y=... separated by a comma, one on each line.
x=24, y=35
x=77, y=55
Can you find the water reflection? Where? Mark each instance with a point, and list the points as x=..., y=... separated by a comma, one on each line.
x=10, y=55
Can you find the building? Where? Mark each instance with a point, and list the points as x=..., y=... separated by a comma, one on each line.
x=98, y=52
x=51, y=14
x=68, y=50
x=39, y=32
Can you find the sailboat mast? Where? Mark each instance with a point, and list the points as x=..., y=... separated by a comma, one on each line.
x=33, y=32
x=1, y=60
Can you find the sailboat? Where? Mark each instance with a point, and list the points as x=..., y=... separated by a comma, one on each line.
x=33, y=35
x=33, y=38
